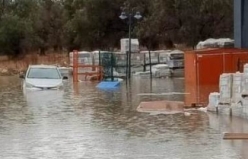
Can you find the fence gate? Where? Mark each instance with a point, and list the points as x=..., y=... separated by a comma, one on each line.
x=108, y=63
x=85, y=72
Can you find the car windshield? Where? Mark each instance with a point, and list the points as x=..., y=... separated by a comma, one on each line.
x=44, y=73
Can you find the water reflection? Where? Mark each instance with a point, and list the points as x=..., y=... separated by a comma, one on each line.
x=37, y=98
x=84, y=122
x=225, y=123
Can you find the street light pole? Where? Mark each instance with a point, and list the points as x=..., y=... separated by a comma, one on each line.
x=129, y=16
x=129, y=45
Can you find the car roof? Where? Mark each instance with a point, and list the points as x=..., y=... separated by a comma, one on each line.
x=42, y=66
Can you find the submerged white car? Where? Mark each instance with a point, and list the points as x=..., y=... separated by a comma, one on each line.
x=42, y=77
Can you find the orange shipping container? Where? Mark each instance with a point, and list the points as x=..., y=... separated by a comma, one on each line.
x=203, y=68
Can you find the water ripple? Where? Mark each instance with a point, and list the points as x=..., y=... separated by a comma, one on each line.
x=84, y=122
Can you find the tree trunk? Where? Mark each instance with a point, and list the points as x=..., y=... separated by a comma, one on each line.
x=42, y=51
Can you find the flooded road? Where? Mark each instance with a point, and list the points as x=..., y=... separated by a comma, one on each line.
x=84, y=122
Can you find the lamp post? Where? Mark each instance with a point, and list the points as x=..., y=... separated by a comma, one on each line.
x=124, y=16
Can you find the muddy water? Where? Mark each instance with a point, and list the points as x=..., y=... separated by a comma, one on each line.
x=84, y=122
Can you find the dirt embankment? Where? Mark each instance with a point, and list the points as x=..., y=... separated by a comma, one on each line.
x=12, y=67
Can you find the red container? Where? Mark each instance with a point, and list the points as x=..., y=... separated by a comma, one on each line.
x=203, y=69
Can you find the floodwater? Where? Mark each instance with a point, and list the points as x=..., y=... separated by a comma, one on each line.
x=82, y=122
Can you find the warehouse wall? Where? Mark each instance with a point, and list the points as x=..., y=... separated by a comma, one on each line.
x=241, y=23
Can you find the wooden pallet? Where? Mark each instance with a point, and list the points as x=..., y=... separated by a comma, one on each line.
x=235, y=136
x=163, y=106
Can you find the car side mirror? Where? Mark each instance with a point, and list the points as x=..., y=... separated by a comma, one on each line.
x=65, y=77
x=22, y=76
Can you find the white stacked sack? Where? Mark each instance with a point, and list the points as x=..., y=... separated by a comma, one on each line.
x=244, y=86
x=215, y=43
x=225, y=87
x=246, y=68
x=244, y=90
x=236, y=87
x=213, y=101
x=125, y=45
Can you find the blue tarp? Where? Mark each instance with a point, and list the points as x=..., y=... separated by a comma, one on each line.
x=108, y=84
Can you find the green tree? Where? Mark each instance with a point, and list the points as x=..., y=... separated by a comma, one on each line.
x=49, y=25
x=12, y=34
x=16, y=27
x=31, y=25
